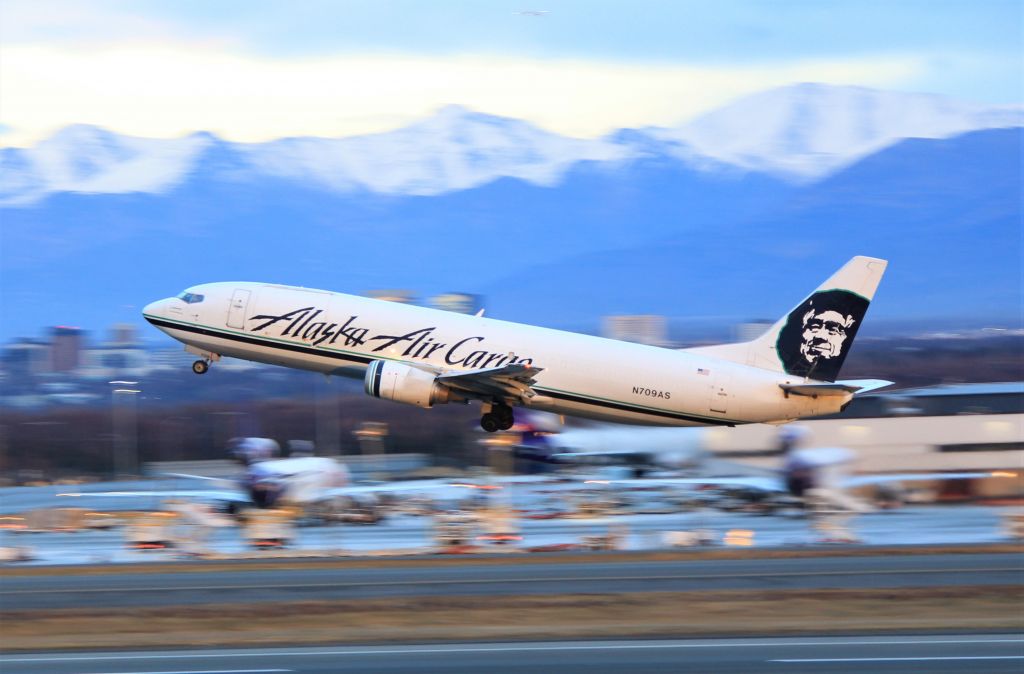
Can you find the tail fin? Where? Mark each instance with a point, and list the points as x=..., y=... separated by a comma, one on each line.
x=812, y=340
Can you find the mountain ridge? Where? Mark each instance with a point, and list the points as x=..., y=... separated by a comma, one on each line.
x=800, y=134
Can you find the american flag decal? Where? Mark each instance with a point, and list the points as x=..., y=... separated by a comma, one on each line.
x=702, y=371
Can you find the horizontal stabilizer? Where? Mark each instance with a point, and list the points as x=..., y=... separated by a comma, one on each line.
x=839, y=388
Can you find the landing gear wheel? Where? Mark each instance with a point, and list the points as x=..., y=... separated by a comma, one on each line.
x=500, y=418
x=200, y=367
x=506, y=418
x=490, y=422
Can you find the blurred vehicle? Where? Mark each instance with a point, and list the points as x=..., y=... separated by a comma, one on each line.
x=422, y=357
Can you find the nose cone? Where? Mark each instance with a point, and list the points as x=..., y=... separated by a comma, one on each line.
x=154, y=310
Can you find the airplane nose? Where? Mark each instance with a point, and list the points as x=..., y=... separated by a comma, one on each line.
x=154, y=309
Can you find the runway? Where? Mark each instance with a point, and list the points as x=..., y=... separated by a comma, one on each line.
x=976, y=653
x=299, y=580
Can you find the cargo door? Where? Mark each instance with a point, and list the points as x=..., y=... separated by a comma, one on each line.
x=236, y=312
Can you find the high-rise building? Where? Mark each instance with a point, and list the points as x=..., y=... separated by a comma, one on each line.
x=399, y=295
x=124, y=335
x=644, y=329
x=751, y=330
x=122, y=355
x=65, y=348
x=26, y=358
x=462, y=303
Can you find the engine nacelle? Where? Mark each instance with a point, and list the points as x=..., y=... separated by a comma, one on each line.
x=404, y=384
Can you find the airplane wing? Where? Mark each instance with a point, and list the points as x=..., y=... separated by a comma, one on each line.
x=883, y=478
x=222, y=495
x=408, y=487
x=512, y=381
x=758, y=482
x=597, y=453
x=221, y=482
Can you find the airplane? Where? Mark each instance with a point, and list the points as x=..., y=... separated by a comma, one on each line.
x=538, y=437
x=816, y=478
x=813, y=475
x=319, y=485
x=423, y=357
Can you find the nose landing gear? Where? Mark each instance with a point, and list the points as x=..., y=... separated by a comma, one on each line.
x=498, y=418
x=202, y=365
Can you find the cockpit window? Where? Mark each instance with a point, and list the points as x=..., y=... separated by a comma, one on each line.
x=191, y=298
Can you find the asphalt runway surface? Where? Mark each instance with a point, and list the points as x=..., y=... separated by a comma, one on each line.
x=975, y=653
x=298, y=581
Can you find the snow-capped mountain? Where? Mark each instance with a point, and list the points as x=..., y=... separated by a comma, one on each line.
x=91, y=160
x=455, y=149
x=800, y=133
x=808, y=131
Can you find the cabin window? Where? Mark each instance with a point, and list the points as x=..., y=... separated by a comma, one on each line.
x=190, y=298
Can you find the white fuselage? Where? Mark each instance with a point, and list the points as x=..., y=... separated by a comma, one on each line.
x=580, y=375
x=304, y=479
x=672, y=448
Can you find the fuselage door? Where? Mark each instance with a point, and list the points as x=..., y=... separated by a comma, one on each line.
x=236, y=312
x=719, y=401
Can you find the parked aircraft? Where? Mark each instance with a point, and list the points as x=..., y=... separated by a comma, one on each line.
x=819, y=474
x=423, y=357
x=541, y=437
x=317, y=484
x=814, y=477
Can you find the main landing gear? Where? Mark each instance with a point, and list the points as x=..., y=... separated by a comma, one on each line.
x=200, y=366
x=498, y=418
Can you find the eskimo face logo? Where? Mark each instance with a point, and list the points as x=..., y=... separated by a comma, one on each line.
x=824, y=334
x=818, y=334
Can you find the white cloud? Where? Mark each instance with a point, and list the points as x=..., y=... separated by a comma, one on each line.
x=167, y=89
x=72, y=22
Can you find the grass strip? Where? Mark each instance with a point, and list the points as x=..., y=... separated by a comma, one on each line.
x=420, y=619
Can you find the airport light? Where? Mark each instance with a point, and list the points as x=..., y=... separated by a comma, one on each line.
x=125, y=422
x=739, y=537
x=855, y=431
x=370, y=435
x=999, y=429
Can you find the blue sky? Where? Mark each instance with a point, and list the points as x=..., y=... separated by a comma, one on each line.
x=725, y=31
x=319, y=67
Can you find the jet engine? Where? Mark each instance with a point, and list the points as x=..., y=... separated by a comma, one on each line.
x=405, y=384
